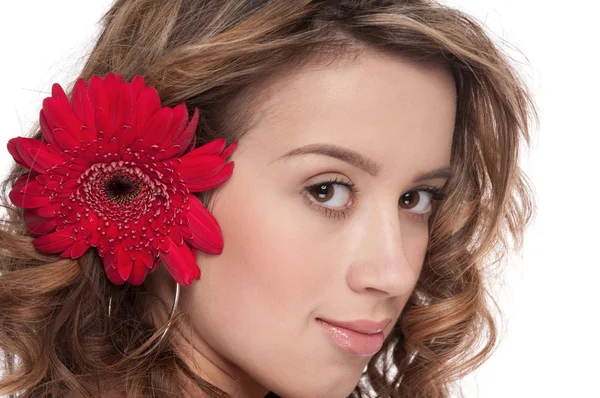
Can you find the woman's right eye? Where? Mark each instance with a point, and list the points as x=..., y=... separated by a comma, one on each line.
x=333, y=197
x=330, y=194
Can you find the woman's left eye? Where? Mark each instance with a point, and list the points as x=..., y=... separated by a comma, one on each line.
x=421, y=201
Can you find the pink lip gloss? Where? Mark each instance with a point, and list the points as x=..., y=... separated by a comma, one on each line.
x=351, y=341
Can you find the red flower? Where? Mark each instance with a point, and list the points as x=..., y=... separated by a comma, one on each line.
x=109, y=173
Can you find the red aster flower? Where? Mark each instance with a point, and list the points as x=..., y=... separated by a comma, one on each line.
x=116, y=171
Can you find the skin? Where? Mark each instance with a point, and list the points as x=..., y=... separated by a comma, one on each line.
x=285, y=263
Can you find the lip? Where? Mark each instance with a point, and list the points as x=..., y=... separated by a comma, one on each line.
x=361, y=325
x=358, y=337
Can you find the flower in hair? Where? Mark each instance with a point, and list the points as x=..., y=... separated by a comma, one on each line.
x=116, y=171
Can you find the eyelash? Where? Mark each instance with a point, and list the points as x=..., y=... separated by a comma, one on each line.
x=437, y=195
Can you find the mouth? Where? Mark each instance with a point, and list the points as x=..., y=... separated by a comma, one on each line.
x=359, y=338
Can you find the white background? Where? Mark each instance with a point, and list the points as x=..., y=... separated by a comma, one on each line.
x=550, y=299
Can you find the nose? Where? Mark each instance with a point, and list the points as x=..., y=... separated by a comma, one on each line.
x=388, y=260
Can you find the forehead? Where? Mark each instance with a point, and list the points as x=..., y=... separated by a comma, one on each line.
x=396, y=111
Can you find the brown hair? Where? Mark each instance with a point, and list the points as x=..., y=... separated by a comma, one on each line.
x=212, y=54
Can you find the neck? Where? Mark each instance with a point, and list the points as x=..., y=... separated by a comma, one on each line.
x=198, y=355
x=210, y=366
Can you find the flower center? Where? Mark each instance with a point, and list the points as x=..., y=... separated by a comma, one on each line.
x=121, y=189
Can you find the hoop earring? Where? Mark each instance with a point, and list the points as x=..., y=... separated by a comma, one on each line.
x=156, y=343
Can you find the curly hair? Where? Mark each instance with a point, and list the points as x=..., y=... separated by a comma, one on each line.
x=57, y=337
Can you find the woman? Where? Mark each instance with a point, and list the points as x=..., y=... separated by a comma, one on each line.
x=376, y=179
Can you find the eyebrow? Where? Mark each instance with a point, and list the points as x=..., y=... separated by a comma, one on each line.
x=359, y=160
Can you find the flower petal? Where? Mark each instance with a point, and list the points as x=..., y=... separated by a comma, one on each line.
x=137, y=86
x=99, y=96
x=23, y=180
x=113, y=85
x=20, y=197
x=124, y=262
x=157, y=129
x=199, y=166
x=143, y=261
x=139, y=272
x=75, y=251
x=36, y=224
x=202, y=183
x=33, y=187
x=147, y=105
x=34, y=154
x=184, y=138
x=122, y=108
x=206, y=231
x=180, y=263
x=178, y=125
x=82, y=106
x=111, y=270
x=229, y=150
x=12, y=149
x=61, y=120
x=215, y=147
x=79, y=248
x=56, y=242
x=48, y=211
x=47, y=130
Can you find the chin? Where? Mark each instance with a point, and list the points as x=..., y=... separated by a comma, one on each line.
x=315, y=389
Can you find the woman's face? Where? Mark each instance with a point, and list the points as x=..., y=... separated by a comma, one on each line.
x=324, y=218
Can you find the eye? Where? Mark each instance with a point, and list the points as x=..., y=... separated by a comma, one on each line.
x=420, y=201
x=332, y=197
x=417, y=201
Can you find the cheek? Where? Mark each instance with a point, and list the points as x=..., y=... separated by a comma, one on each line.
x=264, y=274
x=415, y=240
